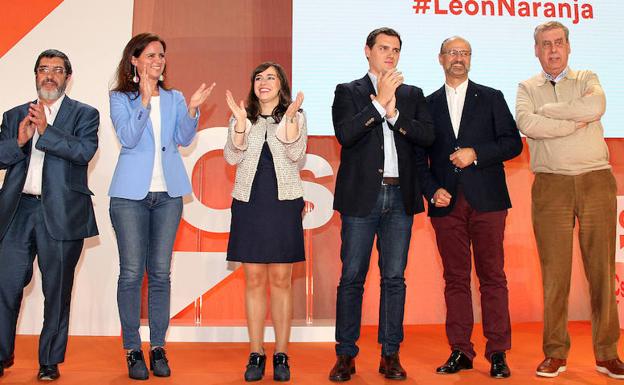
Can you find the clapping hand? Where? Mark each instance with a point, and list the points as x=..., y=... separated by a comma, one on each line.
x=238, y=110
x=294, y=107
x=37, y=117
x=387, y=84
x=390, y=107
x=146, y=88
x=198, y=98
x=25, y=131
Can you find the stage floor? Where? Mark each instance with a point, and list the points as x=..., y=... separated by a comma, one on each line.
x=100, y=360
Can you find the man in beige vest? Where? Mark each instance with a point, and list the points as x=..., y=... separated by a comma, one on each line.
x=559, y=111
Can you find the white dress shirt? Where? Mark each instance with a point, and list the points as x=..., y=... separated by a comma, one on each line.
x=391, y=160
x=34, y=176
x=158, y=176
x=455, y=98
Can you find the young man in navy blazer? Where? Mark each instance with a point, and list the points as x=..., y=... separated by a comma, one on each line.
x=45, y=206
x=379, y=122
x=468, y=201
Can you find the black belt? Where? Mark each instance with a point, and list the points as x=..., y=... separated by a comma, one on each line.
x=390, y=180
x=31, y=196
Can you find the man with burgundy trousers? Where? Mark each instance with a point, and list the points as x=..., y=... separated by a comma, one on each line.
x=468, y=201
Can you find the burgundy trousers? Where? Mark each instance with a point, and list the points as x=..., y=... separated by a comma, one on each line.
x=455, y=233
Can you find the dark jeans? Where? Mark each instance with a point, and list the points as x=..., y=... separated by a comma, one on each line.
x=145, y=231
x=27, y=235
x=455, y=233
x=393, y=229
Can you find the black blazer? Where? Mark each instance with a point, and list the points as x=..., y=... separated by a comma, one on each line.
x=68, y=145
x=489, y=128
x=358, y=128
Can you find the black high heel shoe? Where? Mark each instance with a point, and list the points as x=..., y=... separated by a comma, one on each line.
x=281, y=370
x=255, y=367
x=136, y=365
x=159, y=363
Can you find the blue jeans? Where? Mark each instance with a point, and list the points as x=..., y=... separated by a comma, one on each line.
x=393, y=228
x=145, y=230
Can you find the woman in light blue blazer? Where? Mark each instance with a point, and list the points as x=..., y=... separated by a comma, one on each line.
x=151, y=121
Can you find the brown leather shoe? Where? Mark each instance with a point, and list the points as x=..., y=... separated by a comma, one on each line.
x=551, y=367
x=391, y=368
x=343, y=369
x=613, y=368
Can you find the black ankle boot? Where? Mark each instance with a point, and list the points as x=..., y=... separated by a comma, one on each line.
x=255, y=367
x=159, y=363
x=136, y=365
x=281, y=370
x=6, y=364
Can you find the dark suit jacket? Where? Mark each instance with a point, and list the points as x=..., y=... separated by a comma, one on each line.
x=358, y=127
x=489, y=128
x=69, y=145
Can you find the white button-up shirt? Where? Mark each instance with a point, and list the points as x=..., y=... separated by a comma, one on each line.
x=455, y=98
x=391, y=160
x=34, y=177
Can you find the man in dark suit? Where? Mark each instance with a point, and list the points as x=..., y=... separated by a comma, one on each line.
x=379, y=122
x=45, y=206
x=468, y=201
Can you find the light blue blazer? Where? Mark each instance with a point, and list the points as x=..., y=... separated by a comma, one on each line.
x=132, y=123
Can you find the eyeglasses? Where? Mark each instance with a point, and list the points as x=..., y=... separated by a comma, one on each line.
x=46, y=70
x=458, y=52
x=546, y=44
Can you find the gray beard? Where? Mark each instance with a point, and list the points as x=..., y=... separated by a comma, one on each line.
x=51, y=95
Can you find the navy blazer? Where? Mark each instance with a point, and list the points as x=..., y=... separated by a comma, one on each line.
x=359, y=130
x=489, y=128
x=69, y=145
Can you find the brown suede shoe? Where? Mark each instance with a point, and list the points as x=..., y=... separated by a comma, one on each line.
x=551, y=367
x=343, y=369
x=613, y=368
x=391, y=368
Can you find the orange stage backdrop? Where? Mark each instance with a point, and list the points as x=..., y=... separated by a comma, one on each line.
x=425, y=304
x=225, y=49
x=222, y=41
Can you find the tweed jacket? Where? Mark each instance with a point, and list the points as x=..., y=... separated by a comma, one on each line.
x=286, y=156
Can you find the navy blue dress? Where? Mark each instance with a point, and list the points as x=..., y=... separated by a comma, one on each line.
x=265, y=229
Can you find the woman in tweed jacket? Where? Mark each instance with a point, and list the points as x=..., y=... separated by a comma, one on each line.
x=266, y=141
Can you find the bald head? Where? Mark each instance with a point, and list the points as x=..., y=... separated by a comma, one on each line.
x=452, y=39
x=454, y=58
